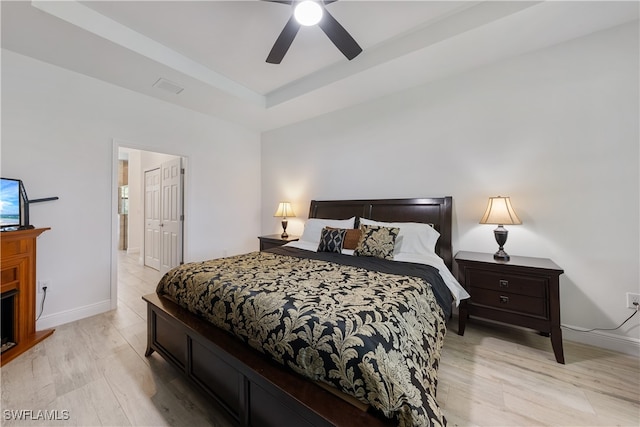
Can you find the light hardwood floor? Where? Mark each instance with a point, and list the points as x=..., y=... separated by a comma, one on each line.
x=492, y=376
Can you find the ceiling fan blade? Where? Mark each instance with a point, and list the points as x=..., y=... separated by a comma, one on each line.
x=289, y=2
x=284, y=40
x=339, y=36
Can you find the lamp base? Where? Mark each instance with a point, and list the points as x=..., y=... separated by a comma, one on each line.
x=501, y=255
x=284, y=234
x=501, y=234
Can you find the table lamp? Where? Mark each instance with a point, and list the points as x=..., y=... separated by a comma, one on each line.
x=499, y=211
x=284, y=210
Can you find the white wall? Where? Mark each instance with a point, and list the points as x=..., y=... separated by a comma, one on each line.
x=58, y=129
x=556, y=130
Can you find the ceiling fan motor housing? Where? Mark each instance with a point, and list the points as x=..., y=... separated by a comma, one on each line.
x=331, y=27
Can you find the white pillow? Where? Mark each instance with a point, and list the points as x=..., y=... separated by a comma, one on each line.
x=414, y=237
x=313, y=227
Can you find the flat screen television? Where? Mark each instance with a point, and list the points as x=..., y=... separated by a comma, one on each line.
x=13, y=205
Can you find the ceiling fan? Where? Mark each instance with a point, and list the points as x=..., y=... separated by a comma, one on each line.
x=331, y=27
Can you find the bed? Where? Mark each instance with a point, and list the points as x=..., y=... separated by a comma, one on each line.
x=295, y=336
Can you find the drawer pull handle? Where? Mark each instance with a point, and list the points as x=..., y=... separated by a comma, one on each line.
x=504, y=300
x=504, y=283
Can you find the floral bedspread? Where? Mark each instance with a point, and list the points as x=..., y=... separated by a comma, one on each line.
x=374, y=335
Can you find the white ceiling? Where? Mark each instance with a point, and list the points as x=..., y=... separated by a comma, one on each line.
x=216, y=50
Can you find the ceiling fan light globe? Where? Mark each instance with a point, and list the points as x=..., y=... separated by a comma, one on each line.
x=308, y=13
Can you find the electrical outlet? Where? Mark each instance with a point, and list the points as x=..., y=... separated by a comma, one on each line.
x=44, y=284
x=631, y=299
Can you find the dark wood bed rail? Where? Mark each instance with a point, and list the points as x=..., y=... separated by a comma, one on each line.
x=252, y=389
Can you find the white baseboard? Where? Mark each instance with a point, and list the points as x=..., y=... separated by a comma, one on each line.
x=604, y=340
x=133, y=250
x=57, y=319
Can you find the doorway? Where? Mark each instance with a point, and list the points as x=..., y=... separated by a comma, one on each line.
x=170, y=209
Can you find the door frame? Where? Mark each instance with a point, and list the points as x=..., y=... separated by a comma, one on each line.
x=116, y=145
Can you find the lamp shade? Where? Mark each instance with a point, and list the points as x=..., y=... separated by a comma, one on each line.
x=284, y=210
x=499, y=211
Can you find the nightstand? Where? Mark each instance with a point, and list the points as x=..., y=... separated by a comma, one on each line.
x=523, y=291
x=274, y=240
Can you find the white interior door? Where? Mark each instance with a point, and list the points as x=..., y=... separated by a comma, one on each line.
x=152, y=236
x=171, y=215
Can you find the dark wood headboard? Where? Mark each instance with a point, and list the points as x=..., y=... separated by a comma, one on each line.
x=436, y=211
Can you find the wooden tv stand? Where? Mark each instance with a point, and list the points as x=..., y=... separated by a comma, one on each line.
x=18, y=269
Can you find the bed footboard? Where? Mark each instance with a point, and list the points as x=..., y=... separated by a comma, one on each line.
x=254, y=390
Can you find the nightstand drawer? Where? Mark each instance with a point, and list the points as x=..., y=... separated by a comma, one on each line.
x=275, y=240
x=511, y=283
x=521, y=304
x=268, y=245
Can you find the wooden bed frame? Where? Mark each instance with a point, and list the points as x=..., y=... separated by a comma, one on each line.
x=254, y=390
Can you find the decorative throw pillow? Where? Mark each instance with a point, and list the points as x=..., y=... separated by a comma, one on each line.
x=377, y=241
x=331, y=239
x=351, y=238
x=414, y=237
